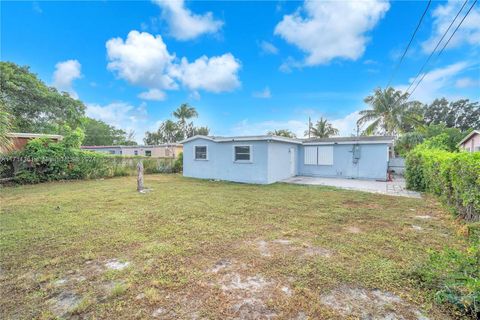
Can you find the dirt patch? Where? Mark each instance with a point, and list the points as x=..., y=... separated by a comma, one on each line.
x=65, y=302
x=353, y=229
x=115, y=264
x=424, y=217
x=263, y=248
x=417, y=228
x=317, y=251
x=220, y=265
x=369, y=304
x=249, y=294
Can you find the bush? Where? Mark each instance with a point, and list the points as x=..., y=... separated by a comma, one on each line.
x=43, y=160
x=178, y=165
x=454, y=276
x=454, y=177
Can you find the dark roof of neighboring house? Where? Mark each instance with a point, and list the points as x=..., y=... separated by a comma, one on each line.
x=333, y=140
x=468, y=136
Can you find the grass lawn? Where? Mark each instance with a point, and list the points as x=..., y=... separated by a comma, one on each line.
x=214, y=250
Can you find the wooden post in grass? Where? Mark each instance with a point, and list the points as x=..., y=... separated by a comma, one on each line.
x=140, y=176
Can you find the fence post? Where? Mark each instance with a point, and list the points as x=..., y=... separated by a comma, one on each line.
x=140, y=176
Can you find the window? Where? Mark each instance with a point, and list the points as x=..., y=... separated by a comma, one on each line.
x=135, y=152
x=242, y=153
x=111, y=151
x=310, y=155
x=148, y=153
x=318, y=155
x=325, y=155
x=200, y=152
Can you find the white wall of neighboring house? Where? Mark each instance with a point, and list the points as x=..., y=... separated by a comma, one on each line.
x=472, y=144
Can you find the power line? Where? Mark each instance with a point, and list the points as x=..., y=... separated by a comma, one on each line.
x=446, y=43
x=409, y=43
x=438, y=44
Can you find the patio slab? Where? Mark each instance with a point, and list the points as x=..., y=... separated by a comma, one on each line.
x=392, y=188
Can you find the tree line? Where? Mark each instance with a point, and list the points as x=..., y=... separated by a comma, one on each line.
x=27, y=104
x=411, y=122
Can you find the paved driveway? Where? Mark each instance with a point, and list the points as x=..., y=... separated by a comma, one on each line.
x=393, y=188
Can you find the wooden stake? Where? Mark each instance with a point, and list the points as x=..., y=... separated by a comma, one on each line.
x=140, y=186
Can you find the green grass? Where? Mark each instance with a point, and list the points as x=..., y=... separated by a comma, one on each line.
x=173, y=235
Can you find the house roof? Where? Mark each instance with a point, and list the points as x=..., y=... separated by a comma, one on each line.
x=468, y=136
x=244, y=138
x=133, y=147
x=350, y=140
x=334, y=140
x=33, y=135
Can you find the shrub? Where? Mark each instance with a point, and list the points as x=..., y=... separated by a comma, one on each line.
x=454, y=277
x=454, y=177
x=178, y=165
x=43, y=160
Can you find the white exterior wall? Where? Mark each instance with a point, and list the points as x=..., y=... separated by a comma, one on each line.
x=473, y=143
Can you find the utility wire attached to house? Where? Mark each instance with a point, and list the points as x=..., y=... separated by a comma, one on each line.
x=438, y=44
x=446, y=43
x=394, y=72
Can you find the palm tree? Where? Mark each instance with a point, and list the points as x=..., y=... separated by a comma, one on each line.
x=389, y=114
x=322, y=129
x=183, y=113
x=282, y=133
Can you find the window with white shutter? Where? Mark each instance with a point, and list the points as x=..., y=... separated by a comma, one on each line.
x=310, y=155
x=325, y=155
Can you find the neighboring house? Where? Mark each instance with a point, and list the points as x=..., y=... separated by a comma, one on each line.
x=471, y=143
x=20, y=140
x=157, y=151
x=268, y=159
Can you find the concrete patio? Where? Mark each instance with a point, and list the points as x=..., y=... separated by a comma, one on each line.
x=392, y=188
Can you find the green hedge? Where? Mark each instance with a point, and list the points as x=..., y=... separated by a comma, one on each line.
x=454, y=177
x=43, y=160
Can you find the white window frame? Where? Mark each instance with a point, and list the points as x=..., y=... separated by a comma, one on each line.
x=242, y=145
x=195, y=152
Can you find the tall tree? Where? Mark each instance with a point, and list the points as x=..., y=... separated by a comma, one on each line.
x=34, y=106
x=168, y=132
x=460, y=114
x=98, y=133
x=282, y=133
x=322, y=129
x=184, y=113
x=390, y=112
x=5, y=127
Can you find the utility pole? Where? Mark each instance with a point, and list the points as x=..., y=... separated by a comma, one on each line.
x=309, y=126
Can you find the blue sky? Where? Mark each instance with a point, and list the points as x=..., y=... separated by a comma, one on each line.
x=248, y=67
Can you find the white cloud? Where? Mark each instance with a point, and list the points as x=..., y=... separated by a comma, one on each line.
x=443, y=15
x=122, y=115
x=65, y=73
x=467, y=82
x=326, y=30
x=215, y=74
x=184, y=24
x=268, y=47
x=346, y=126
x=152, y=94
x=437, y=83
x=141, y=59
x=264, y=94
x=144, y=60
